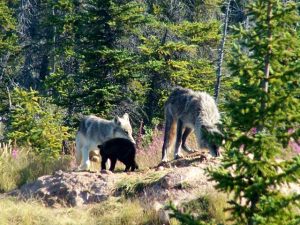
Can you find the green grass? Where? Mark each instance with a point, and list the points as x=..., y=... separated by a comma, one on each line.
x=208, y=209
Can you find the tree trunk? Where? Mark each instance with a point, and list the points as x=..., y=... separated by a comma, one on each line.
x=221, y=53
x=265, y=81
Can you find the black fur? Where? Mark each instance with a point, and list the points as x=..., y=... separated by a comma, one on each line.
x=118, y=149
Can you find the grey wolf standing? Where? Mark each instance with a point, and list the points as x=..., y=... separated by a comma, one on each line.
x=118, y=149
x=94, y=131
x=185, y=111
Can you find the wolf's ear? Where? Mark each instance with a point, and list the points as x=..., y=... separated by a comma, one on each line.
x=117, y=121
x=126, y=116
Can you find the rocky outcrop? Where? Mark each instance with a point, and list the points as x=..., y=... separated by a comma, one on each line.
x=66, y=188
x=178, y=180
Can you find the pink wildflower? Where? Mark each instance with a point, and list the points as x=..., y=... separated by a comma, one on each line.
x=242, y=146
x=291, y=130
x=14, y=153
x=295, y=146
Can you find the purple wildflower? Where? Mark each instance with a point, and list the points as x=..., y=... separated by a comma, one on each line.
x=253, y=130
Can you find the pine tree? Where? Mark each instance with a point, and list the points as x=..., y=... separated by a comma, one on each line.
x=177, y=50
x=8, y=47
x=8, y=26
x=264, y=115
x=103, y=70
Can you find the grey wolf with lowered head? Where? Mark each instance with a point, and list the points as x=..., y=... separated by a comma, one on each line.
x=94, y=131
x=187, y=111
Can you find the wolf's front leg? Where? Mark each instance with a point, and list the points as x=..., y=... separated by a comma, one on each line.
x=85, y=159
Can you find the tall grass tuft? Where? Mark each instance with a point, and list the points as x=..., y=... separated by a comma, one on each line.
x=130, y=186
x=149, y=153
x=206, y=209
x=19, y=166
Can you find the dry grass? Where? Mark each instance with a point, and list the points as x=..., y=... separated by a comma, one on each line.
x=135, y=184
x=33, y=212
x=125, y=212
x=111, y=212
x=18, y=166
x=150, y=155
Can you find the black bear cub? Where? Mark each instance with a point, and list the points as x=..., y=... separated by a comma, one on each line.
x=118, y=149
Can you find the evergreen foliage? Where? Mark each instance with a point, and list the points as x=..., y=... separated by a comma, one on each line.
x=8, y=25
x=177, y=52
x=102, y=73
x=185, y=218
x=8, y=47
x=126, y=56
x=264, y=115
x=35, y=123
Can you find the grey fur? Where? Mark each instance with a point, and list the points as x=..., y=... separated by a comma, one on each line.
x=94, y=131
x=185, y=111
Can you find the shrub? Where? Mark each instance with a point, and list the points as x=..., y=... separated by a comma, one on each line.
x=35, y=123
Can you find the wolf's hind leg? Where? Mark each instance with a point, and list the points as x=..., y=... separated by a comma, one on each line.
x=186, y=133
x=177, y=151
x=170, y=130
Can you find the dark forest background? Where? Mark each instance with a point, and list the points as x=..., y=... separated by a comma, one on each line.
x=107, y=57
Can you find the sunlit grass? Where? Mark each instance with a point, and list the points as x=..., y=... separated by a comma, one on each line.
x=115, y=211
x=130, y=186
x=33, y=212
x=19, y=166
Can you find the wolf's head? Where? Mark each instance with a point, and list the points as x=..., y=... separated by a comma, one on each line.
x=123, y=128
x=213, y=139
x=207, y=121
